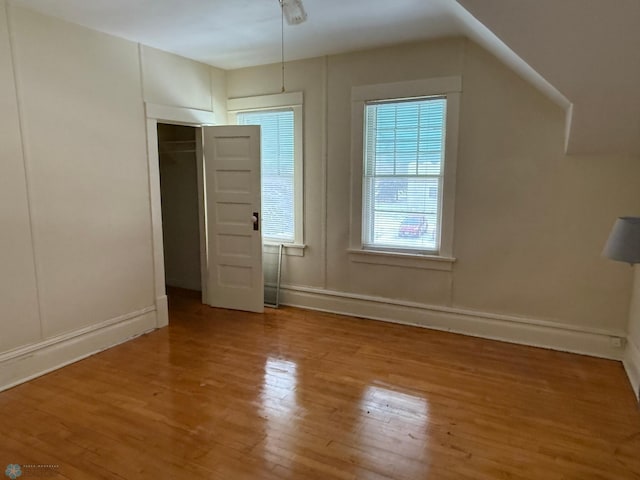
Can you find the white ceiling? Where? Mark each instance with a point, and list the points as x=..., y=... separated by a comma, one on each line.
x=583, y=54
x=239, y=33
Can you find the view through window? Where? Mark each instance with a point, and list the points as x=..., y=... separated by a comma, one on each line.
x=277, y=171
x=403, y=173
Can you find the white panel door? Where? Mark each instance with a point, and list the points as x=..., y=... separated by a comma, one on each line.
x=234, y=240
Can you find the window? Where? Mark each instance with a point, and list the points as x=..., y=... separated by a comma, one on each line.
x=280, y=119
x=277, y=171
x=404, y=146
x=403, y=173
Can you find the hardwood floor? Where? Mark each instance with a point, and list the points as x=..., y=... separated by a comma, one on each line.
x=294, y=394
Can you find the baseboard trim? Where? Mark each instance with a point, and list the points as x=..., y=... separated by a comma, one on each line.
x=26, y=363
x=631, y=363
x=520, y=330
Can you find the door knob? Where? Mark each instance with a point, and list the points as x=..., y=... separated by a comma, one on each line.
x=256, y=221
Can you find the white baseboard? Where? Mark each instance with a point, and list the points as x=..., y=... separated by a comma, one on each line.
x=631, y=363
x=525, y=331
x=25, y=363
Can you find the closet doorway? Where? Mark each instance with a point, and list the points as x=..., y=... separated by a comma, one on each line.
x=179, y=180
x=224, y=204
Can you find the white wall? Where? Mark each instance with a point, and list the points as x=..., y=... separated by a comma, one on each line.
x=530, y=222
x=307, y=76
x=634, y=316
x=81, y=107
x=409, y=62
x=75, y=247
x=219, y=94
x=19, y=321
x=175, y=81
x=632, y=351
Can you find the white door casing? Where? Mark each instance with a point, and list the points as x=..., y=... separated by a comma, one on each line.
x=176, y=116
x=232, y=195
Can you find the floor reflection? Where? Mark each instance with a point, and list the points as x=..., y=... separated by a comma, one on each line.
x=279, y=408
x=393, y=421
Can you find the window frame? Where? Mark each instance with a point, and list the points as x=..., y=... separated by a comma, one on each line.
x=451, y=89
x=280, y=101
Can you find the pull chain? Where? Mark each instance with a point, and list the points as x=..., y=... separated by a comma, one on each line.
x=282, y=40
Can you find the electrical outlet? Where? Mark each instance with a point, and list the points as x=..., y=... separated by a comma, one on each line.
x=616, y=342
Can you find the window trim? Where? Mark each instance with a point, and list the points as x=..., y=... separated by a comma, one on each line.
x=294, y=101
x=449, y=87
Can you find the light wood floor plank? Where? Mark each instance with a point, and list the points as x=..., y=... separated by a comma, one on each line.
x=294, y=394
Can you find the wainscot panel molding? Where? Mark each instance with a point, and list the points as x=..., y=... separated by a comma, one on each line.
x=25, y=363
x=520, y=330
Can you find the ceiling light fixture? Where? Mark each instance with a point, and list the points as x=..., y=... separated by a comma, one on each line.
x=294, y=12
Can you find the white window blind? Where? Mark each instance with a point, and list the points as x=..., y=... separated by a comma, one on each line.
x=277, y=171
x=403, y=173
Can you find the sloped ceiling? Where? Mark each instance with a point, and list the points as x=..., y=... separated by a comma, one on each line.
x=583, y=54
x=589, y=50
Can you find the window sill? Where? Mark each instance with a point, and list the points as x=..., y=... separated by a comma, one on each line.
x=290, y=249
x=409, y=260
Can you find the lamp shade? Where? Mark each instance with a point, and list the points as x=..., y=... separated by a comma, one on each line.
x=624, y=241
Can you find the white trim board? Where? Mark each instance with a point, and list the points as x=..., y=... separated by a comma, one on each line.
x=451, y=88
x=410, y=88
x=162, y=311
x=179, y=115
x=176, y=116
x=520, y=330
x=631, y=363
x=262, y=102
x=26, y=363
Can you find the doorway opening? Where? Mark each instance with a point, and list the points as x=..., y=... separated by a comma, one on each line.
x=208, y=243
x=179, y=183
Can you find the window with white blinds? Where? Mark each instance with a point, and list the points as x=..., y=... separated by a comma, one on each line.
x=277, y=171
x=404, y=145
